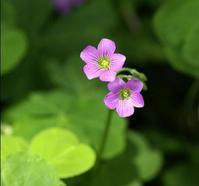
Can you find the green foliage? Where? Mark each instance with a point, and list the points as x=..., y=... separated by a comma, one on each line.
x=143, y=48
x=65, y=154
x=138, y=163
x=29, y=128
x=147, y=160
x=176, y=28
x=14, y=42
x=37, y=165
x=25, y=169
x=7, y=14
x=48, y=101
x=31, y=15
x=78, y=114
x=182, y=174
x=166, y=143
x=91, y=123
x=69, y=38
x=14, y=45
x=190, y=50
x=11, y=145
x=60, y=71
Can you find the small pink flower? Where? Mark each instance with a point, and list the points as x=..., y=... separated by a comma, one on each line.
x=102, y=62
x=64, y=6
x=124, y=96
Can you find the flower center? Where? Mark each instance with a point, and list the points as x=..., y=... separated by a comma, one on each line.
x=125, y=93
x=103, y=62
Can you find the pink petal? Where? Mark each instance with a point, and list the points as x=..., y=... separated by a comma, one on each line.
x=91, y=71
x=111, y=100
x=117, y=61
x=125, y=108
x=89, y=55
x=107, y=75
x=106, y=47
x=135, y=85
x=116, y=85
x=137, y=100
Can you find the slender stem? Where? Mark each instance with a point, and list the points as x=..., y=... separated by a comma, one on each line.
x=105, y=136
x=96, y=169
x=127, y=77
x=134, y=73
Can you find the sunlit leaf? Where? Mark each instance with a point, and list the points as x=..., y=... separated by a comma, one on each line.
x=11, y=145
x=62, y=150
x=84, y=115
x=24, y=169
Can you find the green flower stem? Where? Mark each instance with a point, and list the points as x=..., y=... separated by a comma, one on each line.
x=102, y=146
x=105, y=136
x=134, y=73
x=127, y=77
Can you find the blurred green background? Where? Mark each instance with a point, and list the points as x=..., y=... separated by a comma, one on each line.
x=43, y=84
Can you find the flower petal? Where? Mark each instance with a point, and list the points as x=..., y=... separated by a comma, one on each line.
x=91, y=71
x=117, y=61
x=106, y=47
x=111, y=100
x=125, y=108
x=62, y=6
x=137, y=100
x=135, y=85
x=107, y=75
x=89, y=55
x=116, y=85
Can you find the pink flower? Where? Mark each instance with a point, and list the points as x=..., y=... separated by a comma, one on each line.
x=102, y=62
x=64, y=6
x=124, y=96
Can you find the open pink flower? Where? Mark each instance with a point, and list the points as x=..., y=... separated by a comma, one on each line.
x=102, y=62
x=124, y=96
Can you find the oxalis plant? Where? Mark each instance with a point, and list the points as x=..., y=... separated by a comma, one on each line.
x=124, y=89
